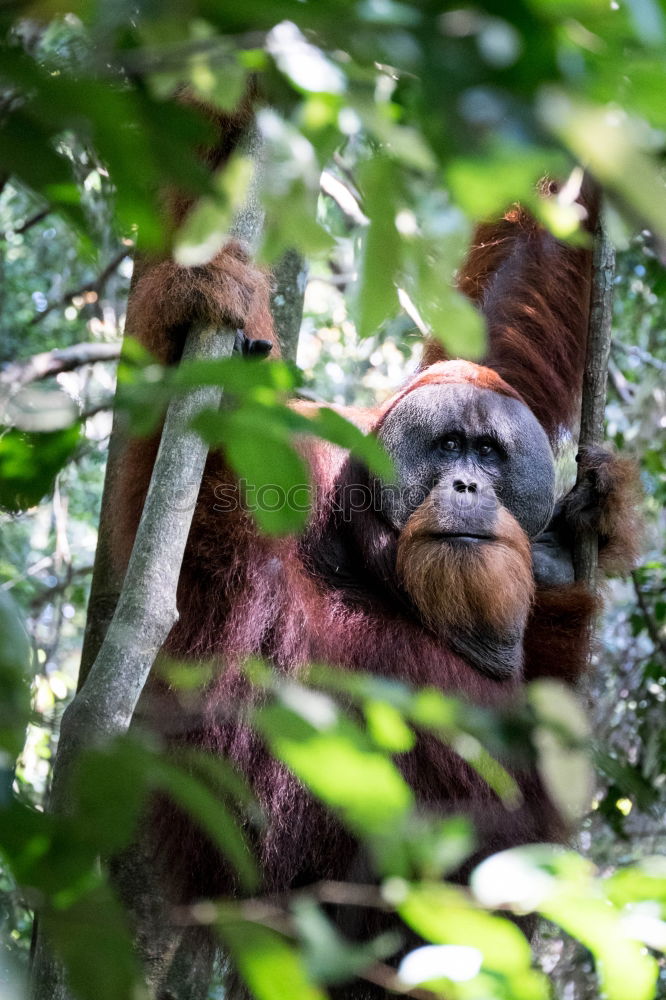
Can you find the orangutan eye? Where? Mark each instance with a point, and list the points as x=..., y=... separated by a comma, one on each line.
x=449, y=444
x=488, y=448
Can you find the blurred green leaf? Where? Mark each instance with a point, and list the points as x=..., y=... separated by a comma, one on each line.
x=15, y=661
x=561, y=737
x=641, y=882
x=328, y=957
x=93, y=940
x=274, y=477
x=387, y=727
x=29, y=463
x=617, y=150
x=206, y=228
x=486, y=186
x=443, y=914
x=267, y=962
x=456, y=323
x=211, y=815
x=561, y=886
x=106, y=778
x=377, y=292
x=337, y=761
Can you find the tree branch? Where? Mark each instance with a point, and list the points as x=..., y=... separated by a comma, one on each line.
x=97, y=285
x=593, y=403
x=63, y=359
x=650, y=623
x=32, y=220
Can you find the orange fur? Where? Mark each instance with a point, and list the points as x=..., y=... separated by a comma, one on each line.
x=456, y=585
x=534, y=292
x=607, y=501
x=557, y=639
x=228, y=291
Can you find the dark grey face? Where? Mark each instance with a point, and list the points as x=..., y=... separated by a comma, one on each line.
x=479, y=448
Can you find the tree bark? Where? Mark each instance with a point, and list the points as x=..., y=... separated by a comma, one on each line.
x=146, y=609
x=106, y=581
x=595, y=376
x=291, y=275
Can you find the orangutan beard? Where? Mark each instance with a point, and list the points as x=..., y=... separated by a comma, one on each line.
x=475, y=593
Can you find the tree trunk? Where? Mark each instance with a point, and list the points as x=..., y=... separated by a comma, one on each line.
x=593, y=402
x=145, y=612
x=291, y=275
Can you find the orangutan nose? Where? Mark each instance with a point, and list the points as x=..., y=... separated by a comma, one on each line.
x=460, y=486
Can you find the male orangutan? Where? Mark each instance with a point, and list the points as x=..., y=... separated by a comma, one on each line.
x=457, y=575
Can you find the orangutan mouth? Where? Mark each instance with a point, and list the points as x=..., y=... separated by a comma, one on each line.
x=462, y=536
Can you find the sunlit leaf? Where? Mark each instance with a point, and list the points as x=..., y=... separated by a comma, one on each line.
x=339, y=765
x=644, y=881
x=387, y=727
x=560, y=738
x=561, y=886
x=443, y=915
x=377, y=292
x=268, y=963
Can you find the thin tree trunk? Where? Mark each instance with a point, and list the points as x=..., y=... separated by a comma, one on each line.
x=146, y=609
x=145, y=613
x=106, y=581
x=290, y=275
x=593, y=403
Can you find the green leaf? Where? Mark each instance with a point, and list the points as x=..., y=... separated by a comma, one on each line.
x=92, y=939
x=15, y=660
x=560, y=737
x=337, y=762
x=455, y=322
x=615, y=151
x=332, y=426
x=210, y=813
x=445, y=717
x=444, y=915
x=206, y=228
x=268, y=963
x=642, y=882
x=377, y=293
x=240, y=376
x=110, y=789
x=485, y=186
x=274, y=477
x=387, y=727
x=624, y=967
x=258, y=441
x=328, y=957
x=561, y=886
x=29, y=463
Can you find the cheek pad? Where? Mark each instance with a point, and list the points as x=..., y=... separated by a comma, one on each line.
x=527, y=489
